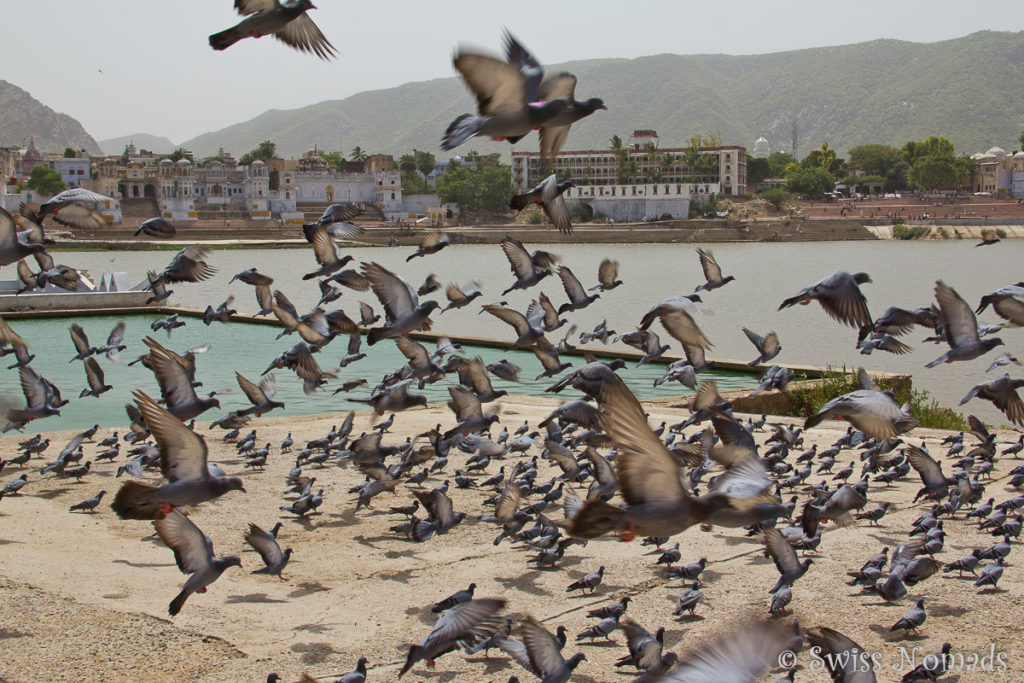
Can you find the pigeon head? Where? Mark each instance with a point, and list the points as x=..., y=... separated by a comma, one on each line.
x=225, y=484
x=861, y=278
x=428, y=306
x=230, y=561
x=591, y=105
x=575, y=660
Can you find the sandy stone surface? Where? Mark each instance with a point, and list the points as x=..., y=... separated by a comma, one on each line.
x=84, y=597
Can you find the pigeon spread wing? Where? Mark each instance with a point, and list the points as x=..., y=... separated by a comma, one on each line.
x=182, y=451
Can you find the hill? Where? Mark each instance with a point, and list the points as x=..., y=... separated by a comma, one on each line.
x=885, y=91
x=153, y=143
x=22, y=116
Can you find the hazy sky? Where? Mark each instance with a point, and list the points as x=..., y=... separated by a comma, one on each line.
x=129, y=66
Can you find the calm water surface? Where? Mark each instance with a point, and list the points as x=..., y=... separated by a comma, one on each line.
x=903, y=274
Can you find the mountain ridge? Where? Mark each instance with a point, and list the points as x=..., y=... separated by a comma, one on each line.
x=885, y=90
x=23, y=117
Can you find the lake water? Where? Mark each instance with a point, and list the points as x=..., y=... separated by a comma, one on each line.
x=903, y=274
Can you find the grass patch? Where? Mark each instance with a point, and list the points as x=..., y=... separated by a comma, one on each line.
x=808, y=400
x=907, y=232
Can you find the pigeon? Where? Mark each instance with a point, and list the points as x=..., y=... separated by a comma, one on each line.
x=589, y=581
x=156, y=227
x=81, y=342
x=186, y=266
x=68, y=208
x=13, y=244
x=883, y=342
x=529, y=269
x=768, y=346
x=1002, y=392
x=844, y=659
x=743, y=654
x=288, y=22
x=784, y=556
x=601, y=629
x=89, y=504
x=657, y=504
x=780, y=599
x=261, y=397
x=400, y=301
x=265, y=543
x=432, y=242
x=356, y=676
x=961, y=328
x=459, y=297
x=875, y=413
x=1007, y=302
x=114, y=344
x=912, y=620
x=222, y=313
x=991, y=574
x=712, y=272
x=183, y=463
x=578, y=297
x=644, y=647
x=934, y=666
x=839, y=295
x=94, y=375
x=39, y=400
x=607, y=275
x=540, y=652
x=688, y=600
x=454, y=599
x=160, y=291
x=176, y=376
x=506, y=106
x=465, y=623
x=505, y=370
x=614, y=609
x=193, y=553
x=335, y=218
x=548, y=195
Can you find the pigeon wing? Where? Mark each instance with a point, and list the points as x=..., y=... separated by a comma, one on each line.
x=193, y=550
x=182, y=451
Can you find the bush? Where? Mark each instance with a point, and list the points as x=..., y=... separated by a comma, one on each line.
x=943, y=233
x=776, y=196
x=905, y=232
x=535, y=216
x=1000, y=233
x=581, y=212
x=807, y=401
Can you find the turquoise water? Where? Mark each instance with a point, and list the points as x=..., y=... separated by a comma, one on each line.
x=249, y=349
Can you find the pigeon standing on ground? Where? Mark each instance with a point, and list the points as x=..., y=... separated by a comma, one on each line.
x=89, y=504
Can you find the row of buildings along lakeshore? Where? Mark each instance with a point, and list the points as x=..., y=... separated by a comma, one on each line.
x=658, y=182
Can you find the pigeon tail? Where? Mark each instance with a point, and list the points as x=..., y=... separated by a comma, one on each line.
x=376, y=334
x=177, y=603
x=596, y=518
x=415, y=654
x=460, y=130
x=222, y=41
x=137, y=501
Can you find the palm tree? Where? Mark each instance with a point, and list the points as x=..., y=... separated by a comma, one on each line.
x=266, y=150
x=357, y=154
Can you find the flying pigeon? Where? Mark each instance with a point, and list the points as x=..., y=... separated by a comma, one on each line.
x=288, y=22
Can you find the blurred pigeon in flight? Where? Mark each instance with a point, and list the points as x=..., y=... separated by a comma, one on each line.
x=288, y=22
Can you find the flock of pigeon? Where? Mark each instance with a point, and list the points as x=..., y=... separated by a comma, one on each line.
x=649, y=483
x=612, y=473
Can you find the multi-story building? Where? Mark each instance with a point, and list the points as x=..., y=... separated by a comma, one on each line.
x=999, y=173
x=720, y=169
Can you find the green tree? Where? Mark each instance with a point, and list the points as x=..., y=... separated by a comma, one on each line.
x=776, y=196
x=487, y=188
x=176, y=155
x=335, y=159
x=824, y=157
x=265, y=151
x=357, y=154
x=933, y=164
x=758, y=170
x=425, y=162
x=70, y=153
x=812, y=181
x=45, y=181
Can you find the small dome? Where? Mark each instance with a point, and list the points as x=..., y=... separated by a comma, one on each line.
x=1019, y=155
x=182, y=162
x=166, y=162
x=258, y=163
x=996, y=151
